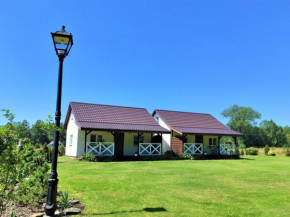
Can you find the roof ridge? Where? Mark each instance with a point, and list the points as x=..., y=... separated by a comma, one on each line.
x=182, y=112
x=108, y=105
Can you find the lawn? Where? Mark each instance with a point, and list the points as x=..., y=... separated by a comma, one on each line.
x=254, y=186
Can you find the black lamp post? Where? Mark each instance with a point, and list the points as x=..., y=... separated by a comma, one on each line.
x=62, y=44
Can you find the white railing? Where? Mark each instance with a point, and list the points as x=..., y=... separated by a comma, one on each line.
x=101, y=148
x=227, y=149
x=149, y=148
x=193, y=148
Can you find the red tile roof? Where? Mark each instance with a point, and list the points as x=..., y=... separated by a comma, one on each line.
x=194, y=123
x=107, y=117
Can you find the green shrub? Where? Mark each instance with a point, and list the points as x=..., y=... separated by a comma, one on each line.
x=186, y=156
x=63, y=200
x=252, y=151
x=61, y=150
x=266, y=149
x=271, y=153
x=168, y=155
x=89, y=157
x=33, y=175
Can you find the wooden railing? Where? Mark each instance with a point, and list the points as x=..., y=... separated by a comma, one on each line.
x=149, y=148
x=193, y=148
x=227, y=149
x=101, y=148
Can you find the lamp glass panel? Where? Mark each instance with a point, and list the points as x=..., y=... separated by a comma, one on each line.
x=61, y=40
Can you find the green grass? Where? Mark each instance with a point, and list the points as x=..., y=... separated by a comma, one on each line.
x=256, y=186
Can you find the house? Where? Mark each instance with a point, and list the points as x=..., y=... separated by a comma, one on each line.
x=194, y=133
x=105, y=130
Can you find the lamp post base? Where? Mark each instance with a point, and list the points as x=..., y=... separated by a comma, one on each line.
x=51, y=205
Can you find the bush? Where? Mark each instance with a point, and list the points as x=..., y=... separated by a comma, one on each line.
x=89, y=157
x=252, y=151
x=287, y=153
x=63, y=200
x=92, y=158
x=267, y=149
x=186, y=156
x=33, y=175
x=61, y=150
x=271, y=153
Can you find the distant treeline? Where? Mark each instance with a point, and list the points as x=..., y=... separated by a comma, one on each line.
x=243, y=119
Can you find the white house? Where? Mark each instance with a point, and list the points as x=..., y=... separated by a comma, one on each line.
x=194, y=133
x=105, y=130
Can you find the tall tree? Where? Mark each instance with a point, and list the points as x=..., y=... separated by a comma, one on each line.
x=22, y=129
x=241, y=118
x=273, y=134
x=39, y=134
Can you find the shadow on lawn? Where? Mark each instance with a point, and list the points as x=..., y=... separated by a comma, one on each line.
x=147, y=209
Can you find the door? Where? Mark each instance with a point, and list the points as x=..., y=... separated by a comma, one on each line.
x=198, y=139
x=119, y=144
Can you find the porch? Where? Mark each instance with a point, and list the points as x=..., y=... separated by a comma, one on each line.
x=108, y=149
x=198, y=149
x=155, y=149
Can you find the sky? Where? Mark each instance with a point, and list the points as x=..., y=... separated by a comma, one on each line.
x=195, y=56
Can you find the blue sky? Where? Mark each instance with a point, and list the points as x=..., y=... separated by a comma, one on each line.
x=198, y=56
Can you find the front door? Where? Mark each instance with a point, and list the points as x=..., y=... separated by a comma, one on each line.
x=198, y=139
x=119, y=144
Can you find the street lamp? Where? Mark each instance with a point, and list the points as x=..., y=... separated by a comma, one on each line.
x=63, y=42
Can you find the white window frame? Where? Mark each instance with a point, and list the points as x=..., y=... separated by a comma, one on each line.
x=211, y=142
x=71, y=139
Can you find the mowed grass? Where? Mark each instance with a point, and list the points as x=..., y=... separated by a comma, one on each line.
x=254, y=186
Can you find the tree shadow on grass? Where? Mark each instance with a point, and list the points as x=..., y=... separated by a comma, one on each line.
x=147, y=209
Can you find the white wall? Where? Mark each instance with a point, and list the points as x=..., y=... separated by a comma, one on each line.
x=72, y=129
x=166, y=138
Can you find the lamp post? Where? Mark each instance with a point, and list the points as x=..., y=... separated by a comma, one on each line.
x=62, y=44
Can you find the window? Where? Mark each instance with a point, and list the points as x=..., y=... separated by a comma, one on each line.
x=71, y=140
x=93, y=138
x=141, y=140
x=212, y=141
x=97, y=138
x=100, y=138
x=157, y=119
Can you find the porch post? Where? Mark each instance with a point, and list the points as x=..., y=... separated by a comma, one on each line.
x=219, y=141
x=161, y=143
x=85, y=141
x=235, y=139
x=138, y=138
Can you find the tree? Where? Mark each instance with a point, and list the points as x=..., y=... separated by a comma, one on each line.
x=9, y=160
x=23, y=129
x=39, y=134
x=286, y=130
x=273, y=134
x=241, y=117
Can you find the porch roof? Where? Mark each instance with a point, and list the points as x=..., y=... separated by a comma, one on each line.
x=194, y=123
x=112, y=118
x=122, y=127
x=207, y=131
